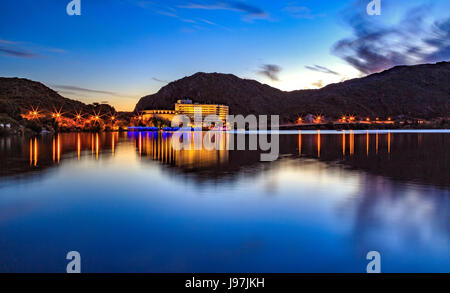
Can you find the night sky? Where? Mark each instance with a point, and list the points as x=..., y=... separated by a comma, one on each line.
x=120, y=50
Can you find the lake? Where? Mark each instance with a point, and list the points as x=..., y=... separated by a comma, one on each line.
x=129, y=202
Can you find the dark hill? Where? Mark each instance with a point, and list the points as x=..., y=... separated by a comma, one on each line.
x=18, y=95
x=242, y=95
x=415, y=91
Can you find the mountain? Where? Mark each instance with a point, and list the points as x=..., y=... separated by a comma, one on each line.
x=421, y=91
x=18, y=95
x=243, y=96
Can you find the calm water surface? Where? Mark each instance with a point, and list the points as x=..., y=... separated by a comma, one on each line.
x=129, y=203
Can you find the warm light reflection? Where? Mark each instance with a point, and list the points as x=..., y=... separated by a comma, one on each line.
x=389, y=142
x=343, y=142
x=158, y=146
x=58, y=148
x=140, y=145
x=35, y=152
x=54, y=149
x=367, y=143
x=92, y=145
x=31, y=152
x=78, y=146
x=97, y=146
x=300, y=143
x=318, y=143
x=113, y=144
x=352, y=143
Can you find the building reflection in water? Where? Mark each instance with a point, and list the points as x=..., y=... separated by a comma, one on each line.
x=158, y=146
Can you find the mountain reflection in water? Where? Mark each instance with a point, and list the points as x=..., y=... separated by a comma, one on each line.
x=328, y=200
x=410, y=157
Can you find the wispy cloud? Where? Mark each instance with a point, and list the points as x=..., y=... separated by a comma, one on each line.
x=250, y=12
x=208, y=21
x=173, y=14
x=298, y=11
x=322, y=69
x=16, y=52
x=167, y=13
x=80, y=89
x=7, y=42
x=373, y=48
x=15, y=49
x=76, y=90
x=270, y=71
x=159, y=80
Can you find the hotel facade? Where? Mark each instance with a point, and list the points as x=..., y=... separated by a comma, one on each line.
x=188, y=108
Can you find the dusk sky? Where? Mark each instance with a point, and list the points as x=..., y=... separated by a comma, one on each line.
x=120, y=50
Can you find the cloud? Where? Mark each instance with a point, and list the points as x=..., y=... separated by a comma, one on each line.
x=159, y=80
x=144, y=4
x=80, y=89
x=318, y=84
x=11, y=48
x=7, y=42
x=168, y=13
x=301, y=12
x=374, y=48
x=271, y=71
x=251, y=12
x=75, y=90
x=14, y=52
x=322, y=69
x=208, y=21
x=174, y=15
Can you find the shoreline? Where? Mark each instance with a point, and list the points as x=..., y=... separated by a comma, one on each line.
x=280, y=131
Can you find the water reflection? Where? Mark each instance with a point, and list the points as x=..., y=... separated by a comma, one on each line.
x=414, y=157
x=328, y=200
x=158, y=146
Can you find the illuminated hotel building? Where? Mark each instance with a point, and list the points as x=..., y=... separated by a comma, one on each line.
x=186, y=107
x=160, y=114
